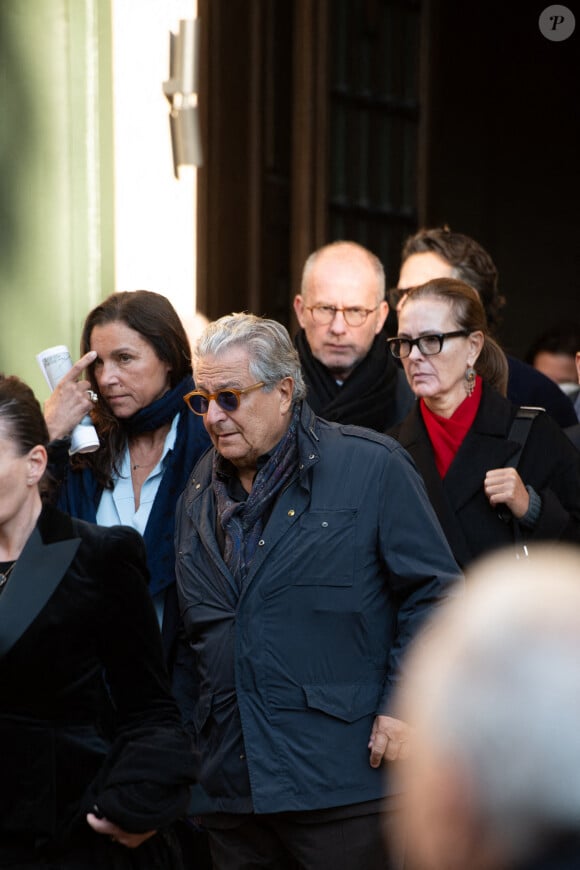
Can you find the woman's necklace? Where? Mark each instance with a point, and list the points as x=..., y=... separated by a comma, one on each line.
x=137, y=465
x=5, y=575
x=157, y=451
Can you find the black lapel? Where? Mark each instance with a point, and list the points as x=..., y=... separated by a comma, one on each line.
x=486, y=446
x=36, y=575
x=414, y=437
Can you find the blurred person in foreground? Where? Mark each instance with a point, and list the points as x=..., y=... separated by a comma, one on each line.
x=459, y=432
x=492, y=694
x=347, y=368
x=75, y=613
x=301, y=582
x=441, y=253
x=138, y=362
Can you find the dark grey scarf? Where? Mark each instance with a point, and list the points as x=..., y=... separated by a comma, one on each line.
x=243, y=521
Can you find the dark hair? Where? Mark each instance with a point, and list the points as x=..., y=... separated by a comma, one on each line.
x=155, y=319
x=470, y=262
x=22, y=420
x=468, y=312
x=561, y=338
x=21, y=415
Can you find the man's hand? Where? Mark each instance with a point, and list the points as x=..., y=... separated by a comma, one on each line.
x=389, y=740
x=70, y=400
x=118, y=835
x=505, y=486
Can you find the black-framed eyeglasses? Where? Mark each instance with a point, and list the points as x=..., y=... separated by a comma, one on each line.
x=228, y=400
x=323, y=315
x=428, y=345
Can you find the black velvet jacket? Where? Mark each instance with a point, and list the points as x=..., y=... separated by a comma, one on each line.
x=75, y=610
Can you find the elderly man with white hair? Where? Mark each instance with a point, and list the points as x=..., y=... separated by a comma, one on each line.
x=301, y=583
x=493, y=691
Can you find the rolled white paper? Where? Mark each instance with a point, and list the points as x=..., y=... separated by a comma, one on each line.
x=54, y=363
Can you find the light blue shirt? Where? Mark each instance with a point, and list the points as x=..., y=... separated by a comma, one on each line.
x=117, y=505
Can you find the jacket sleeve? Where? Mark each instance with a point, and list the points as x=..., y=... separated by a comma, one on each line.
x=145, y=780
x=421, y=570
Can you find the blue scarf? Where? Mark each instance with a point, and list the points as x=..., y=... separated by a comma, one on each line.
x=81, y=493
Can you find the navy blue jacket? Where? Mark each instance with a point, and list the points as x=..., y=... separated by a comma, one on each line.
x=280, y=683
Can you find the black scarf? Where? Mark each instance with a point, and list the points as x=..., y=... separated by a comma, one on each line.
x=367, y=397
x=159, y=412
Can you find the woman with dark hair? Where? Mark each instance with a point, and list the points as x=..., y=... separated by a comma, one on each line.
x=460, y=431
x=138, y=361
x=75, y=613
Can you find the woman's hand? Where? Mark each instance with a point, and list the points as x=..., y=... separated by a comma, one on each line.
x=505, y=486
x=70, y=400
x=118, y=835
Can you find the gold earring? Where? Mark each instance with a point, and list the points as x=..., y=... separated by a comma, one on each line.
x=469, y=380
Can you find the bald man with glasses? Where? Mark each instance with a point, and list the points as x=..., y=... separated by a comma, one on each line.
x=341, y=309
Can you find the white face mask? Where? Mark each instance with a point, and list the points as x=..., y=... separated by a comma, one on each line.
x=569, y=387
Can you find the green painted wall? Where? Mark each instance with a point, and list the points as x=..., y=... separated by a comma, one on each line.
x=56, y=175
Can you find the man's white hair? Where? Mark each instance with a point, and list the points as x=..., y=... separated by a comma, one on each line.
x=495, y=679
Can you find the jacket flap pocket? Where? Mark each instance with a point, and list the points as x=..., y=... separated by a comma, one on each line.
x=343, y=701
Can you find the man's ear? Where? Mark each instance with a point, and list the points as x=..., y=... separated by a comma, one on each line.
x=300, y=309
x=383, y=314
x=578, y=365
x=286, y=390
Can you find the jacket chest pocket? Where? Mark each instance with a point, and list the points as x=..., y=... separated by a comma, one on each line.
x=323, y=553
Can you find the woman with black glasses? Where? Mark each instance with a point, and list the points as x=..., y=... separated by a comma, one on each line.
x=486, y=490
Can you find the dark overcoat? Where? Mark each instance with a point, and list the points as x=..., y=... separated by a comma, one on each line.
x=548, y=462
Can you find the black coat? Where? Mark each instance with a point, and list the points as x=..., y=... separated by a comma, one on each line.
x=573, y=433
x=549, y=463
x=76, y=608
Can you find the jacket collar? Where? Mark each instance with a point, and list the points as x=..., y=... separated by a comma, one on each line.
x=308, y=442
x=292, y=501
x=308, y=452
x=54, y=525
x=40, y=568
x=485, y=446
